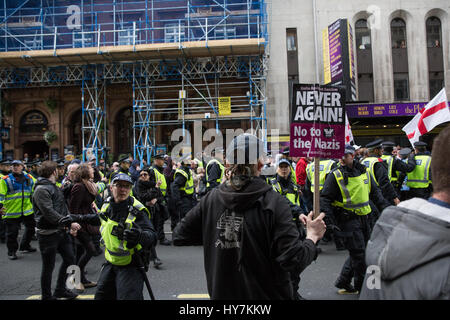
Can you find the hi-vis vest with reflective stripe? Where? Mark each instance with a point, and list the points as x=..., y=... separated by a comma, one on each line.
x=390, y=162
x=355, y=195
x=101, y=187
x=189, y=186
x=292, y=197
x=16, y=197
x=369, y=162
x=222, y=170
x=116, y=251
x=420, y=176
x=324, y=169
x=162, y=178
x=199, y=163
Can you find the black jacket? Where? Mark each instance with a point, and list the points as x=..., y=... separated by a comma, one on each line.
x=214, y=173
x=119, y=212
x=251, y=243
x=49, y=204
x=145, y=191
x=332, y=192
x=179, y=182
x=380, y=172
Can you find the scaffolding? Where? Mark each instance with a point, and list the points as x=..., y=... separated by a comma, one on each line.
x=205, y=49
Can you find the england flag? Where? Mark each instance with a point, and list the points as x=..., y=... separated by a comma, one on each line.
x=433, y=114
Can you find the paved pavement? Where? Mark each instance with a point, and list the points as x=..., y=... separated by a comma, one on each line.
x=180, y=277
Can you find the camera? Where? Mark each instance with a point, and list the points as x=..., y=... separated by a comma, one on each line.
x=118, y=231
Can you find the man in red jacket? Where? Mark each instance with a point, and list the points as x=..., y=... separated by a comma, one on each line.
x=300, y=171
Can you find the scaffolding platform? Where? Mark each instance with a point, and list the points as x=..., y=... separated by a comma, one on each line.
x=208, y=49
x=127, y=53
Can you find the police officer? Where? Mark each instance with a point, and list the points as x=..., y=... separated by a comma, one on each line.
x=345, y=201
x=403, y=189
x=124, y=166
x=15, y=194
x=325, y=167
x=283, y=184
x=34, y=169
x=4, y=170
x=126, y=233
x=419, y=180
x=379, y=171
x=61, y=168
x=214, y=170
x=395, y=165
x=183, y=188
x=157, y=178
x=285, y=155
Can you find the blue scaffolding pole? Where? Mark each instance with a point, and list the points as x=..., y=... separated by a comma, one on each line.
x=93, y=110
x=142, y=113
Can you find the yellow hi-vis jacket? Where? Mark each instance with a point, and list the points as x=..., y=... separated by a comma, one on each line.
x=116, y=251
x=16, y=197
x=420, y=176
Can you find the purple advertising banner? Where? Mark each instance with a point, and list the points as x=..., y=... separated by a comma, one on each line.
x=335, y=45
x=384, y=109
x=317, y=121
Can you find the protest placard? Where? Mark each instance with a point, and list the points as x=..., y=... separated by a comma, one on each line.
x=317, y=121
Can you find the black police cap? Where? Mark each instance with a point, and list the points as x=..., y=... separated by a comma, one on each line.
x=124, y=159
x=349, y=149
x=374, y=144
x=285, y=151
x=404, y=152
x=159, y=156
x=420, y=144
x=388, y=144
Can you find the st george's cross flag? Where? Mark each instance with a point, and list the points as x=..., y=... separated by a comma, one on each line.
x=348, y=131
x=433, y=114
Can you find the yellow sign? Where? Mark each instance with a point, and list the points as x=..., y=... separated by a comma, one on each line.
x=326, y=56
x=224, y=106
x=69, y=157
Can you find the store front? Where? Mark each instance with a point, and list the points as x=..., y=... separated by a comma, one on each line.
x=385, y=121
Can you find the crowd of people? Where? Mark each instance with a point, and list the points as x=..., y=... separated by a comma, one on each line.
x=82, y=209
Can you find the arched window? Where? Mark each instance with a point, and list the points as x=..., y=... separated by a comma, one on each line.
x=435, y=55
x=434, y=37
x=365, y=63
x=362, y=33
x=33, y=121
x=400, y=59
x=398, y=33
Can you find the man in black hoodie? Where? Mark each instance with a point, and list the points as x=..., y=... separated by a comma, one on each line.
x=251, y=244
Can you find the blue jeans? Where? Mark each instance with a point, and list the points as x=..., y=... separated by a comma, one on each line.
x=49, y=245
